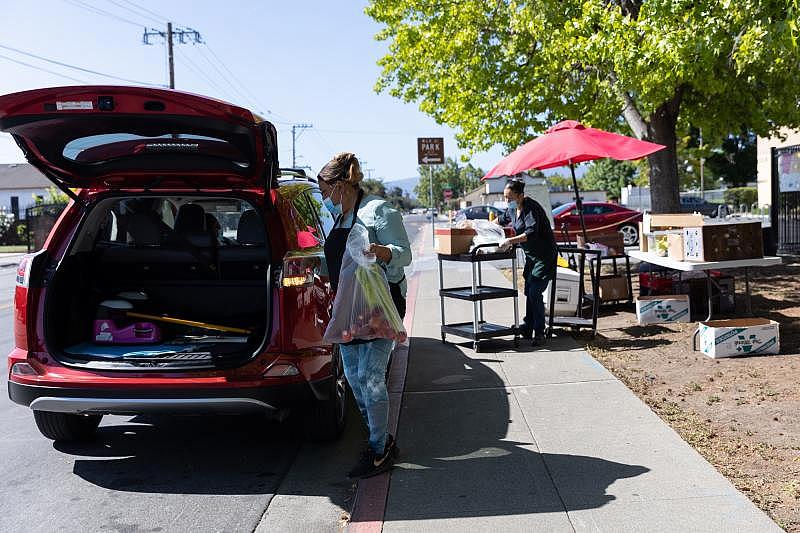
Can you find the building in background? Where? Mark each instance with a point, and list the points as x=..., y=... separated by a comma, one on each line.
x=20, y=185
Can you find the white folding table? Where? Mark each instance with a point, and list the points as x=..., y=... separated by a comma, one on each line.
x=707, y=267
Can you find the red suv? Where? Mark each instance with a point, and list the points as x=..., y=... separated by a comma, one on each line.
x=186, y=274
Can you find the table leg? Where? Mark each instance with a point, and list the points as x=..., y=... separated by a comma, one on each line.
x=710, y=289
x=747, y=298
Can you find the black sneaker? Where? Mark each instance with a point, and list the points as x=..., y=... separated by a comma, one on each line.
x=525, y=333
x=371, y=464
x=538, y=340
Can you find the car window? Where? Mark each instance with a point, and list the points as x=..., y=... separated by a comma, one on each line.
x=562, y=208
x=324, y=217
x=603, y=209
x=306, y=228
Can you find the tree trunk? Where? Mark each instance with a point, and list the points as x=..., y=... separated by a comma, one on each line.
x=664, y=181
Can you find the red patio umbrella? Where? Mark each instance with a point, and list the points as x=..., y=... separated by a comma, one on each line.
x=568, y=143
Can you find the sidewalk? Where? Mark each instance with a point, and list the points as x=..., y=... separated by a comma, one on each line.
x=537, y=440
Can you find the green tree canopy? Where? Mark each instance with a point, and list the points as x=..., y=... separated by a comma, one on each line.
x=501, y=71
x=608, y=175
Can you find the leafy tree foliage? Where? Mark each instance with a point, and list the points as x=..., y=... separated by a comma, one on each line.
x=460, y=180
x=501, y=71
x=609, y=176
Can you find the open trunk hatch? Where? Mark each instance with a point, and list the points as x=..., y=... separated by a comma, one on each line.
x=129, y=137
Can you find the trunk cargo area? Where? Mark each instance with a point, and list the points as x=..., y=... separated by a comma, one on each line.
x=162, y=282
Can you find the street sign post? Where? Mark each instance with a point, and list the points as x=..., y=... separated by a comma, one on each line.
x=430, y=151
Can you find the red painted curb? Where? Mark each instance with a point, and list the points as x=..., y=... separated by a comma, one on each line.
x=369, y=504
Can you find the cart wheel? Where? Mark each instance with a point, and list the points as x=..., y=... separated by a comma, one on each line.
x=476, y=346
x=516, y=342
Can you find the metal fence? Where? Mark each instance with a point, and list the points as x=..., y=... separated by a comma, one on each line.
x=39, y=220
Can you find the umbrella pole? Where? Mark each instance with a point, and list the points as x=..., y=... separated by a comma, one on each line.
x=578, y=203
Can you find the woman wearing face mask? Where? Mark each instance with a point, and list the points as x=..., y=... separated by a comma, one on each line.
x=535, y=236
x=365, y=362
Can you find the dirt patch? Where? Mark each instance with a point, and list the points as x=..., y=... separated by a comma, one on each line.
x=742, y=414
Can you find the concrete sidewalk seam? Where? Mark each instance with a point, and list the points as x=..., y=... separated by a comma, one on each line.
x=512, y=387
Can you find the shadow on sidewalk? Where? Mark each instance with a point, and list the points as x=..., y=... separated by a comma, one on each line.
x=467, y=450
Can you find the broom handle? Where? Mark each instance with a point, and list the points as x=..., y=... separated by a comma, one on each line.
x=193, y=323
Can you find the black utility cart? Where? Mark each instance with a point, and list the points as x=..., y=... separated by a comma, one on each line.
x=479, y=329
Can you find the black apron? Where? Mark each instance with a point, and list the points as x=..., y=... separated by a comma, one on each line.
x=336, y=244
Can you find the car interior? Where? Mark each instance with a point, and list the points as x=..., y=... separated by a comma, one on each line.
x=162, y=279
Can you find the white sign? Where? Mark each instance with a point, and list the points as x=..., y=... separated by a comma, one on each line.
x=789, y=172
x=70, y=106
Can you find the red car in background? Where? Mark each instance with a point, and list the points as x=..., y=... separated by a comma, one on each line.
x=599, y=217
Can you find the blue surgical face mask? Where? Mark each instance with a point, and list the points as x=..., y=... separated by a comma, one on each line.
x=512, y=204
x=334, y=209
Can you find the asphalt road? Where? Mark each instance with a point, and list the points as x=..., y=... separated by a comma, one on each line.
x=168, y=474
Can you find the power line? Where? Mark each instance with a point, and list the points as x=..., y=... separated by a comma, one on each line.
x=142, y=8
x=243, y=97
x=42, y=69
x=202, y=75
x=137, y=13
x=74, y=67
x=97, y=11
x=253, y=99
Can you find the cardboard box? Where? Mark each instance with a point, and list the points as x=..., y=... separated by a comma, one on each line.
x=723, y=242
x=452, y=241
x=675, y=246
x=665, y=309
x=613, y=241
x=614, y=288
x=652, y=223
x=741, y=336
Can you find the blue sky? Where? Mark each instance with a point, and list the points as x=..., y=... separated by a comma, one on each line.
x=308, y=61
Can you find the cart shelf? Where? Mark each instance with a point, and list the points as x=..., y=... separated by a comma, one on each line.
x=478, y=329
x=485, y=330
x=482, y=292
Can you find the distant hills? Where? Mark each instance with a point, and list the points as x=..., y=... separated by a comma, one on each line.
x=407, y=184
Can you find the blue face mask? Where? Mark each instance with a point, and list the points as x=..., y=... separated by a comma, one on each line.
x=512, y=204
x=334, y=209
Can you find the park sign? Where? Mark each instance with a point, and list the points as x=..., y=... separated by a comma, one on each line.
x=430, y=150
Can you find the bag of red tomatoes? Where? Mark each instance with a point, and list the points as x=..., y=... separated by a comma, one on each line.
x=363, y=308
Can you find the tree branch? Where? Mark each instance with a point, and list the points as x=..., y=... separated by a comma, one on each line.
x=631, y=113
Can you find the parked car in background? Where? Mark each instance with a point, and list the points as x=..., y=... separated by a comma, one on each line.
x=186, y=277
x=599, y=217
x=695, y=204
x=479, y=212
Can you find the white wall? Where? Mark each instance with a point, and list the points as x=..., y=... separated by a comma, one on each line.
x=563, y=197
x=25, y=198
x=764, y=154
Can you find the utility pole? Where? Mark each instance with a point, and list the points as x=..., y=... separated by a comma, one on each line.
x=183, y=35
x=295, y=135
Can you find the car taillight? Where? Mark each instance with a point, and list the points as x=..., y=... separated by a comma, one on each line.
x=299, y=271
x=24, y=272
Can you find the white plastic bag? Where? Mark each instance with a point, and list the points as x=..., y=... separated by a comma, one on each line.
x=363, y=307
x=487, y=233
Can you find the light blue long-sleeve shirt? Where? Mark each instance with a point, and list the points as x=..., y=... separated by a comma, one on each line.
x=385, y=226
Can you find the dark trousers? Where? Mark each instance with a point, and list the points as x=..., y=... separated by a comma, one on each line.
x=534, y=321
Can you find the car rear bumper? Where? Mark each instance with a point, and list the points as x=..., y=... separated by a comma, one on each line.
x=272, y=401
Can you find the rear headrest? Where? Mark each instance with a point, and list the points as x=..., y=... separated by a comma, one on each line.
x=144, y=230
x=190, y=218
x=251, y=229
